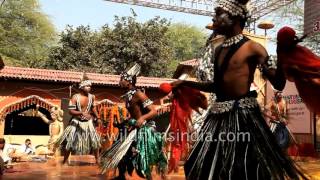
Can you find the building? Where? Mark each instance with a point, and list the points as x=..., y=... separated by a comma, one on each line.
x=21, y=89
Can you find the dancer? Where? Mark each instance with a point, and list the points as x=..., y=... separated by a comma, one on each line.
x=279, y=120
x=147, y=150
x=301, y=66
x=187, y=114
x=180, y=119
x=254, y=153
x=80, y=136
x=55, y=125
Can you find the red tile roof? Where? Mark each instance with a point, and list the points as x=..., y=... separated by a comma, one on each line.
x=47, y=75
x=192, y=62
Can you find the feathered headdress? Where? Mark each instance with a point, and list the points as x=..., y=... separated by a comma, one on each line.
x=235, y=7
x=84, y=81
x=132, y=73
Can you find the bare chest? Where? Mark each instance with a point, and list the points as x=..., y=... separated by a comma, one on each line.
x=238, y=63
x=84, y=103
x=134, y=108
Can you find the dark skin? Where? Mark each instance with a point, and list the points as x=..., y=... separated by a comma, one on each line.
x=135, y=108
x=92, y=114
x=240, y=72
x=84, y=102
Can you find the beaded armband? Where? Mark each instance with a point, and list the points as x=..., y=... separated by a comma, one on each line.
x=72, y=107
x=270, y=63
x=146, y=103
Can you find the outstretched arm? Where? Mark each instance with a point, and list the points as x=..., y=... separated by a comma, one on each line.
x=201, y=86
x=42, y=116
x=147, y=103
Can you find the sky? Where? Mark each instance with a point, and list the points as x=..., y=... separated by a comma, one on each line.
x=97, y=13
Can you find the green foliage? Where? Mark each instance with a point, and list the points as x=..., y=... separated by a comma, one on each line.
x=111, y=50
x=25, y=33
x=153, y=44
x=77, y=51
x=186, y=41
x=28, y=38
x=145, y=43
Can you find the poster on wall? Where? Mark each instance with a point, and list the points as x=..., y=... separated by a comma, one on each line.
x=299, y=117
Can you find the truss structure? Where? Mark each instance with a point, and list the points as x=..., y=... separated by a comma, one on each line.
x=258, y=8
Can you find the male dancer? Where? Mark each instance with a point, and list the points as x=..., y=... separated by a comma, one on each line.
x=147, y=150
x=236, y=110
x=80, y=136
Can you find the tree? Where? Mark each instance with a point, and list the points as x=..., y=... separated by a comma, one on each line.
x=186, y=41
x=77, y=51
x=145, y=43
x=155, y=44
x=25, y=33
x=111, y=50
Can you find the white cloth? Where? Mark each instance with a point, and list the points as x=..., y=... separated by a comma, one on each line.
x=26, y=150
x=4, y=153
